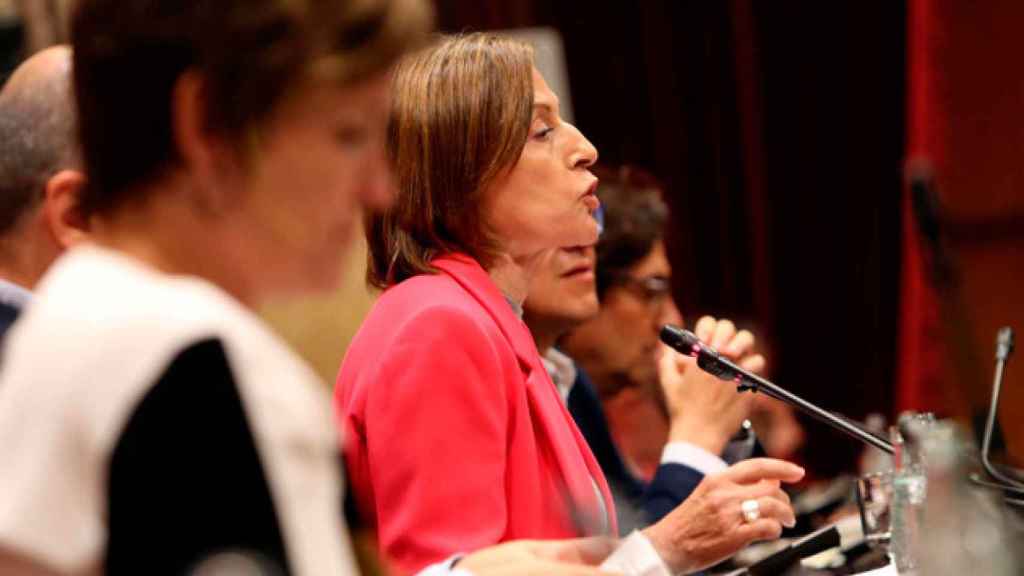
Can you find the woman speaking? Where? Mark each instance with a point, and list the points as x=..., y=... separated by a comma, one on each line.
x=457, y=437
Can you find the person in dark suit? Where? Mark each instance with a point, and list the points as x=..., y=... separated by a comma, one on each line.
x=604, y=306
x=40, y=176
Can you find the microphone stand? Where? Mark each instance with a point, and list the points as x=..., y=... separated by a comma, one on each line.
x=1004, y=347
x=709, y=360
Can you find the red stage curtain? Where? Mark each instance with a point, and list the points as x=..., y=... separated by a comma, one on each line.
x=919, y=377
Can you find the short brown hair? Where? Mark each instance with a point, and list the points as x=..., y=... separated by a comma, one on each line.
x=129, y=54
x=634, y=220
x=461, y=112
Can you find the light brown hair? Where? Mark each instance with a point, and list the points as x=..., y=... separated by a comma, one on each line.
x=461, y=112
x=129, y=54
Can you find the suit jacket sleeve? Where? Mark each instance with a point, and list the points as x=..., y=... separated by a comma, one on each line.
x=436, y=433
x=672, y=483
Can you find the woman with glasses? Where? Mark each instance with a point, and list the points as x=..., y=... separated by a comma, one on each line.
x=600, y=309
x=664, y=423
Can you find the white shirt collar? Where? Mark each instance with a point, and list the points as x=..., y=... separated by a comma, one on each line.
x=562, y=370
x=13, y=294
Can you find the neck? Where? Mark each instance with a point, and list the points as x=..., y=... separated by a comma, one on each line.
x=168, y=234
x=578, y=344
x=26, y=252
x=14, y=276
x=545, y=331
x=513, y=274
x=545, y=343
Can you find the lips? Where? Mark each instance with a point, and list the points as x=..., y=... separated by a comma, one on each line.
x=583, y=267
x=590, y=196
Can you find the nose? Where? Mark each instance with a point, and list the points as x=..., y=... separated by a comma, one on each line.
x=670, y=313
x=583, y=154
x=379, y=190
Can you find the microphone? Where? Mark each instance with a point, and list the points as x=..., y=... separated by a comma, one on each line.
x=843, y=534
x=687, y=343
x=1004, y=344
x=1004, y=347
x=709, y=360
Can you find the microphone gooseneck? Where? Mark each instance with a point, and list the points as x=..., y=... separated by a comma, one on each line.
x=1004, y=347
x=709, y=360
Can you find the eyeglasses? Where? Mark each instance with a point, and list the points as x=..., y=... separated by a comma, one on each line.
x=653, y=290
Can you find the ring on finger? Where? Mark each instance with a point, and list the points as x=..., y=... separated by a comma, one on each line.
x=751, y=510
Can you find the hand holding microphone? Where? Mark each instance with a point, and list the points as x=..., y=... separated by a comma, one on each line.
x=713, y=362
x=701, y=411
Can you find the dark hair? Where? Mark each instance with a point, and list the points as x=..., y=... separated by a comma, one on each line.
x=37, y=139
x=634, y=220
x=129, y=55
x=461, y=113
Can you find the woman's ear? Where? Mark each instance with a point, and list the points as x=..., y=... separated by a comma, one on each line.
x=62, y=208
x=205, y=155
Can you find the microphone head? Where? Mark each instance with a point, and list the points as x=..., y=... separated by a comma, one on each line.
x=683, y=341
x=687, y=343
x=1004, y=343
x=718, y=367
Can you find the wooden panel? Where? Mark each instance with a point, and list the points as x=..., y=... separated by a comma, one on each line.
x=986, y=167
x=983, y=193
x=992, y=288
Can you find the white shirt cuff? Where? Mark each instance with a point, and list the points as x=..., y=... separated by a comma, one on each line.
x=636, y=556
x=693, y=456
x=445, y=568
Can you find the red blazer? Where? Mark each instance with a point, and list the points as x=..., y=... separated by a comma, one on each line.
x=456, y=436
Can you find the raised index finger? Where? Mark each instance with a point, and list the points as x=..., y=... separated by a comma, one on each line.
x=757, y=469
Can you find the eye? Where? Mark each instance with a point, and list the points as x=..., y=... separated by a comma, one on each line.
x=543, y=133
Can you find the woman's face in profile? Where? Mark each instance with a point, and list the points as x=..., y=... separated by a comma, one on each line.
x=547, y=199
x=318, y=162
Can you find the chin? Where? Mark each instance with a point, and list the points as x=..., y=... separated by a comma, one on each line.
x=584, y=235
x=648, y=372
x=589, y=310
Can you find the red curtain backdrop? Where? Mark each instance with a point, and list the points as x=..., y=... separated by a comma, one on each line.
x=919, y=376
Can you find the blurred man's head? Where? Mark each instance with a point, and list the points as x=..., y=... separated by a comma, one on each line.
x=562, y=295
x=40, y=181
x=616, y=342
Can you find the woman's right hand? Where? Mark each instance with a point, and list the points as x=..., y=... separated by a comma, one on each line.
x=709, y=526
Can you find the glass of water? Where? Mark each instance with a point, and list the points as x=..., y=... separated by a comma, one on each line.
x=874, y=500
x=909, y=487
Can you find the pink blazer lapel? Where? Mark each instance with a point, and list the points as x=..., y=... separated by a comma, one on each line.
x=474, y=279
x=578, y=466
x=574, y=458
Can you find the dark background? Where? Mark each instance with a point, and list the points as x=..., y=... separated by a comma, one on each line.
x=778, y=129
